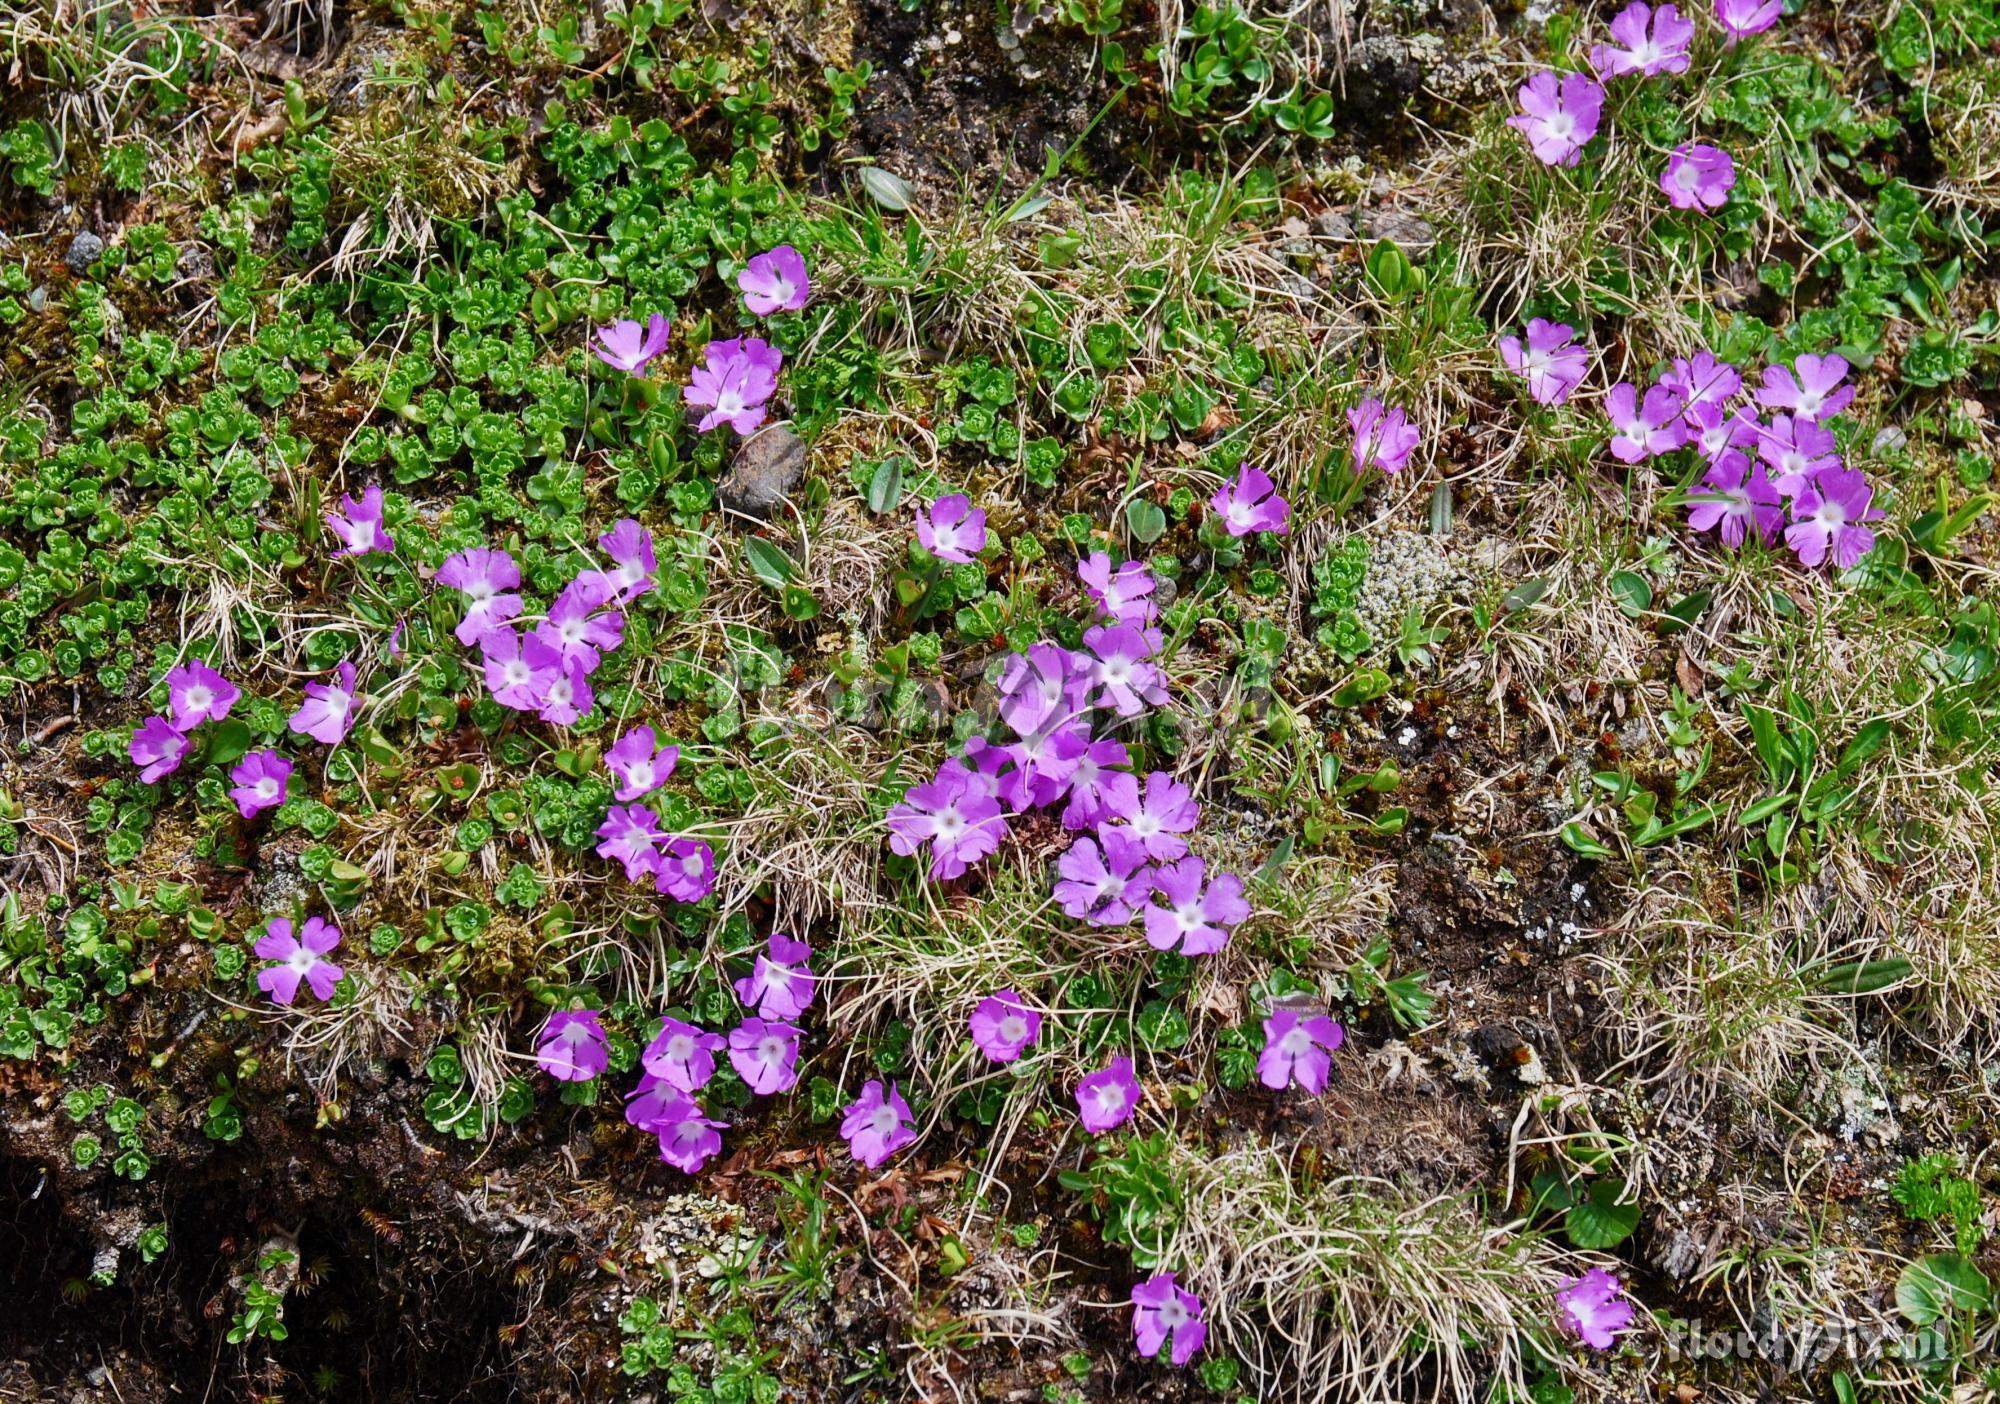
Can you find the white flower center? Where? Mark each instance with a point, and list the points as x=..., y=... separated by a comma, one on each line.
x=639, y=775
x=1172, y=1314
x=679, y=1048
x=199, y=698
x=267, y=788
x=883, y=1120
x=1013, y=1028
x=771, y=1050
x=301, y=961
x=1295, y=1042
x=515, y=672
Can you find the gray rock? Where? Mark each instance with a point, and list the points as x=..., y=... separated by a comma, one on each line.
x=83, y=251
x=766, y=468
x=1334, y=224
x=195, y=263
x=1411, y=233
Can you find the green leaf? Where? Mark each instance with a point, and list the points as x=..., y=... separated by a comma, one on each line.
x=1389, y=269
x=1578, y=840
x=1600, y=1221
x=1864, y=976
x=1522, y=596
x=228, y=742
x=769, y=563
x=886, y=188
x=1364, y=686
x=1941, y=1284
x=885, y=486
x=1633, y=594
x=1145, y=520
x=1684, y=611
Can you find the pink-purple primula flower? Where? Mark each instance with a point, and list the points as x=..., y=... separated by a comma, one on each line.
x=1383, y=438
x=687, y=1138
x=572, y=1046
x=1121, y=594
x=519, y=668
x=1250, y=502
x=1594, y=1308
x=684, y=870
x=765, y=1054
x=483, y=576
x=1797, y=451
x=1156, y=816
x=1734, y=499
x=1162, y=1313
x=1645, y=427
x=1558, y=115
x=1003, y=1028
x=733, y=383
x=1298, y=1048
x=328, y=710
x=633, y=563
x=775, y=281
x=629, y=346
x=961, y=825
x=877, y=1124
x=574, y=627
x=1107, y=1098
x=1702, y=379
x=682, y=1055
x=1828, y=519
x=952, y=529
x=1742, y=18
x=1646, y=41
x=157, y=749
x=1698, y=176
x=1548, y=361
x=780, y=983
x=1198, y=914
x=359, y=525
x=196, y=693
x=1810, y=388
x=1104, y=880
x=300, y=957
x=631, y=835
x=260, y=782
x=640, y=764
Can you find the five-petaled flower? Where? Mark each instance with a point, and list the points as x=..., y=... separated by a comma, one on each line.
x=196, y=693
x=1594, y=1309
x=765, y=1054
x=1649, y=42
x=1698, y=176
x=1383, y=438
x=1550, y=364
x=1558, y=116
x=780, y=983
x=682, y=1055
x=1197, y=917
x=877, y=1124
x=300, y=957
x=157, y=749
x=733, y=383
x=1003, y=1027
x=952, y=529
x=1161, y=1312
x=1298, y=1048
x=630, y=347
x=359, y=525
x=572, y=1046
x=1250, y=502
x=328, y=710
x=775, y=281
x=261, y=779
x=1107, y=1098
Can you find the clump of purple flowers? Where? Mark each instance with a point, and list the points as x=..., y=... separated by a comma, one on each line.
x=196, y=693
x=733, y=383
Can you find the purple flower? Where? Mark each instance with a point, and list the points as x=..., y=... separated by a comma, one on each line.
x=1126, y=679
x=630, y=833
x=1383, y=437
x=1702, y=380
x=572, y=1046
x=687, y=1138
x=780, y=984
x=1698, y=176
x=1815, y=394
x=1715, y=430
x=157, y=749
x=639, y=767
x=481, y=576
x=1003, y=1027
x=1827, y=518
x=1558, y=115
x=684, y=870
x=952, y=529
x=1035, y=687
x=360, y=528
x=633, y=563
x=568, y=696
x=1650, y=41
x=681, y=1055
x=1098, y=763
x=1644, y=429
x=961, y=826
x=877, y=1125
x=196, y=693
x=984, y=769
x=628, y=347
x=1161, y=1311
x=1104, y=886
x=733, y=383
x=1121, y=594
x=655, y=1101
x=1552, y=367
x=1043, y=763
x=519, y=669
x=573, y=627
x=1742, y=18
x=775, y=281
x=1156, y=820
x=299, y=958
x=1739, y=498
x=1593, y=1308
x=765, y=1055
x=1250, y=503
x=1298, y=1050
x=1196, y=917
x=1797, y=450
x=260, y=780
x=328, y=710
x=1107, y=1098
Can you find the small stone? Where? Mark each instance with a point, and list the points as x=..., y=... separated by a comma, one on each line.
x=1411, y=233
x=767, y=466
x=1334, y=224
x=83, y=251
